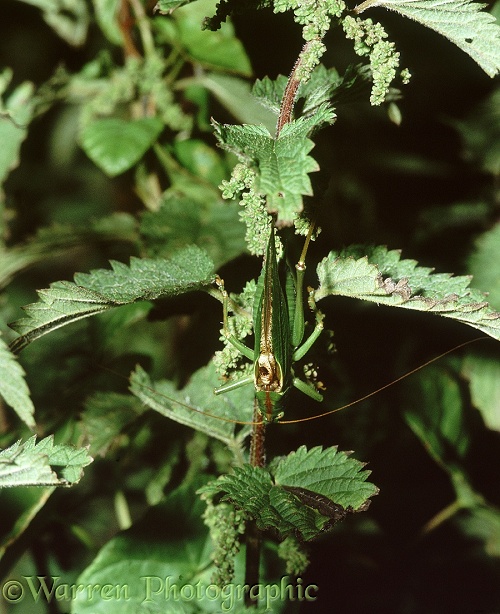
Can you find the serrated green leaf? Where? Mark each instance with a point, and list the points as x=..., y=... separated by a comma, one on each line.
x=213, y=225
x=13, y=387
x=435, y=414
x=197, y=406
x=381, y=276
x=256, y=480
x=42, y=463
x=248, y=489
x=460, y=21
x=54, y=241
x=169, y=545
x=324, y=86
x=338, y=482
x=115, y=144
x=144, y=280
x=301, y=519
x=483, y=373
x=69, y=18
x=328, y=472
x=283, y=164
x=269, y=92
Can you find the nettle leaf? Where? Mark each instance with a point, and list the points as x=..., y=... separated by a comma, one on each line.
x=380, y=276
x=460, y=21
x=269, y=92
x=13, y=387
x=196, y=405
x=115, y=144
x=248, y=488
x=55, y=241
x=42, y=463
x=212, y=225
x=303, y=494
x=327, y=472
x=324, y=86
x=144, y=280
x=283, y=164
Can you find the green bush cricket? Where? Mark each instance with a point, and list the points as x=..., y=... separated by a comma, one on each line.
x=279, y=333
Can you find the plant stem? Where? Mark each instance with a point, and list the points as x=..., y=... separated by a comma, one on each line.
x=440, y=517
x=252, y=533
x=257, y=447
x=290, y=93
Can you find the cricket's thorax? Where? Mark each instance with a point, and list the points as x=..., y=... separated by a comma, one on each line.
x=268, y=376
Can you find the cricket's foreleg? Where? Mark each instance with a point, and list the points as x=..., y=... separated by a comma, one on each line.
x=233, y=385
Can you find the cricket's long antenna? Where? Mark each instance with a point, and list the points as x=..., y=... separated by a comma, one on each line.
x=180, y=403
x=367, y=396
x=308, y=418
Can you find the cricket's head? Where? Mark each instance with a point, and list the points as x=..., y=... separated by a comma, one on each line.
x=269, y=386
x=268, y=375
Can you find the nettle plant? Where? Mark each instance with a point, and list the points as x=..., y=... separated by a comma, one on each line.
x=201, y=210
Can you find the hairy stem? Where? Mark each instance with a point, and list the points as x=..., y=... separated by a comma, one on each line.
x=252, y=533
x=290, y=93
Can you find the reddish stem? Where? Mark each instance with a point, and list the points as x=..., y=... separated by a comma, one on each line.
x=290, y=93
